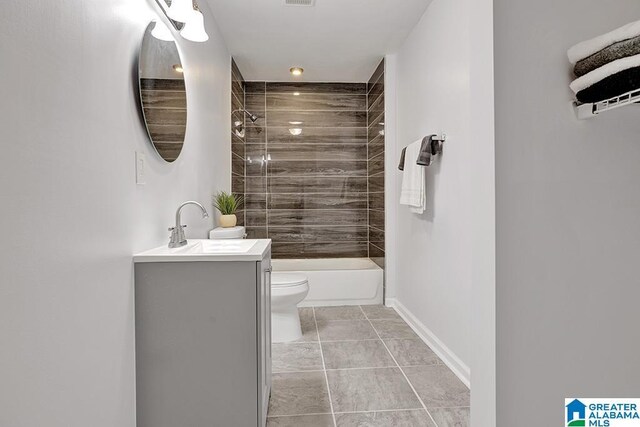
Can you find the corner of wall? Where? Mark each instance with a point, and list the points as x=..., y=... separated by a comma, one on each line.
x=391, y=175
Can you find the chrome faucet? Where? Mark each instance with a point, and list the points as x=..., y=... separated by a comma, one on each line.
x=177, y=233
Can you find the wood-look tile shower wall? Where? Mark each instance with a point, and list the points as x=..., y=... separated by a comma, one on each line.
x=375, y=91
x=237, y=136
x=306, y=180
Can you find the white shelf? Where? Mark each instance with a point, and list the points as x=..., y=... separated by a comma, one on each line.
x=586, y=111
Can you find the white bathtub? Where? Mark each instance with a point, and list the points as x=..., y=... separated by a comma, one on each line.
x=337, y=281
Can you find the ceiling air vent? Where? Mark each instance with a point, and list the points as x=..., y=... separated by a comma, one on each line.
x=299, y=2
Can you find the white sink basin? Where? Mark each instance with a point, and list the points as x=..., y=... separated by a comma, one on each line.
x=221, y=246
x=208, y=250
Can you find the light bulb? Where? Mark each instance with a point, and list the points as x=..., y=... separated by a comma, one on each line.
x=296, y=71
x=194, y=28
x=295, y=131
x=161, y=32
x=180, y=10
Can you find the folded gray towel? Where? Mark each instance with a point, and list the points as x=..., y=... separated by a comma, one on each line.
x=401, y=165
x=618, y=50
x=614, y=85
x=426, y=151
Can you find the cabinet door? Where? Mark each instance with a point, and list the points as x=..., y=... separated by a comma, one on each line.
x=264, y=336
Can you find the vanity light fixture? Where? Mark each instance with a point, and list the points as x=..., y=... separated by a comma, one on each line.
x=194, y=28
x=161, y=32
x=185, y=17
x=296, y=71
x=180, y=10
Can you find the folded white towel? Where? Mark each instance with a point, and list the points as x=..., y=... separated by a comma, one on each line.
x=413, y=182
x=603, y=72
x=589, y=47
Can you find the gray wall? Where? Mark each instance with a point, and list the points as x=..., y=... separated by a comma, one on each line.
x=568, y=219
x=72, y=213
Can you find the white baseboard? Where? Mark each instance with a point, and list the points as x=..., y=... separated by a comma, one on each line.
x=449, y=358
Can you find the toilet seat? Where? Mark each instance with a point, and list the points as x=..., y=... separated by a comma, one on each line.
x=285, y=280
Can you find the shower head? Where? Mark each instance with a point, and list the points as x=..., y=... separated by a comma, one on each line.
x=252, y=116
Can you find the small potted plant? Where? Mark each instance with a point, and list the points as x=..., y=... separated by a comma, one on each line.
x=228, y=205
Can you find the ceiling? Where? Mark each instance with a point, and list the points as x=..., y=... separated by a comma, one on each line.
x=335, y=40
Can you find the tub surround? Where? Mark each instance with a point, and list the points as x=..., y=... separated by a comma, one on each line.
x=375, y=164
x=238, y=157
x=306, y=180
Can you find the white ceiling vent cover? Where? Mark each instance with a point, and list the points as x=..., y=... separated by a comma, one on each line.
x=299, y=2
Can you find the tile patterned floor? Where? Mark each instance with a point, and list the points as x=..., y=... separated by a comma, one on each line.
x=362, y=366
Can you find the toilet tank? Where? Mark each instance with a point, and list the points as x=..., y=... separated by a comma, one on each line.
x=228, y=233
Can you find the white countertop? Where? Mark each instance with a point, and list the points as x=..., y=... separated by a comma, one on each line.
x=208, y=250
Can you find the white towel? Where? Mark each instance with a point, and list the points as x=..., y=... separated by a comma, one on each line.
x=603, y=72
x=589, y=47
x=413, y=182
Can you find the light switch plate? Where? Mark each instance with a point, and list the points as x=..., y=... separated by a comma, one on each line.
x=141, y=166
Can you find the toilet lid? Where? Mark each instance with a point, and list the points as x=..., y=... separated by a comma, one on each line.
x=287, y=279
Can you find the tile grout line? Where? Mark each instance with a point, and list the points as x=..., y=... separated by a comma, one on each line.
x=398, y=366
x=266, y=158
x=354, y=412
x=357, y=369
x=368, y=186
x=324, y=368
x=244, y=143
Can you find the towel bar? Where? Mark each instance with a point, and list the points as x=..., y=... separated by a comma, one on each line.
x=440, y=139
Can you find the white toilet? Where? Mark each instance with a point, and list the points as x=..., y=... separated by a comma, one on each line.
x=287, y=291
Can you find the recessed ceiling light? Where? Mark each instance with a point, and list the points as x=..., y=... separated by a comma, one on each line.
x=178, y=68
x=296, y=71
x=295, y=123
x=296, y=93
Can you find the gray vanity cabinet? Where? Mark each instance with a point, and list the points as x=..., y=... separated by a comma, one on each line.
x=203, y=343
